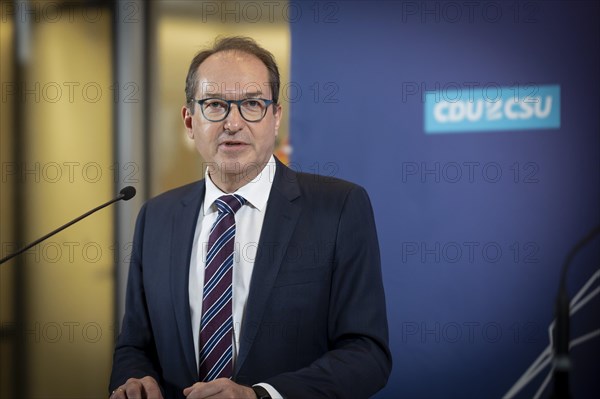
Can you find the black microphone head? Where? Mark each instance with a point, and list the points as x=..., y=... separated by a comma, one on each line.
x=128, y=193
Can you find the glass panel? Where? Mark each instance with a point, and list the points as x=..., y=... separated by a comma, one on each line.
x=66, y=170
x=6, y=205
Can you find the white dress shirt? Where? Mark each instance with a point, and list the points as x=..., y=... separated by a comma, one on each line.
x=249, y=220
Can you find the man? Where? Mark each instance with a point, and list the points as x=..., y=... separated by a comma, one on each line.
x=256, y=282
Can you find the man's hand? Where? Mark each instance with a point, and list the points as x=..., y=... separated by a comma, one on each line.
x=144, y=388
x=221, y=388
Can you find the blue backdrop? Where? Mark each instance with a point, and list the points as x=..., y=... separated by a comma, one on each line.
x=473, y=224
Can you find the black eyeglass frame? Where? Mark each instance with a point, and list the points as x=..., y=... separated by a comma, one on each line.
x=238, y=103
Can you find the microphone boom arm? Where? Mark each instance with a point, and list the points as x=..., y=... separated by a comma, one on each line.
x=125, y=194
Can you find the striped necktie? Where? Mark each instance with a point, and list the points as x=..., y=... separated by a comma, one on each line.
x=216, y=326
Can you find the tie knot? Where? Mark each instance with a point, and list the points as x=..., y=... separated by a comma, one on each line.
x=230, y=203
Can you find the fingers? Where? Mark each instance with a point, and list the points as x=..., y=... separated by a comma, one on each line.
x=219, y=388
x=187, y=390
x=144, y=388
x=201, y=390
x=133, y=389
x=151, y=388
x=118, y=393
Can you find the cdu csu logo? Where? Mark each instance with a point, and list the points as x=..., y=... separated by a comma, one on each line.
x=492, y=108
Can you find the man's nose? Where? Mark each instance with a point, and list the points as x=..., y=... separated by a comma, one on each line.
x=234, y=120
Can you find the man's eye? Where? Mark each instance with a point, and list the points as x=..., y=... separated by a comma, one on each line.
x=253, y=104
x=215, y=104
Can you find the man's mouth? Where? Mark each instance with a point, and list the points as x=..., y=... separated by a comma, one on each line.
x=233, y=144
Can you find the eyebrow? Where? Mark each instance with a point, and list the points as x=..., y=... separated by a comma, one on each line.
x=252, y=94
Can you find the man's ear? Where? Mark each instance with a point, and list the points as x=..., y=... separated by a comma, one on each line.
x=187, y=121
x=277, y=116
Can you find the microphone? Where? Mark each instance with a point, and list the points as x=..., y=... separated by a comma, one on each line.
x=562, y=364
x=125, y=194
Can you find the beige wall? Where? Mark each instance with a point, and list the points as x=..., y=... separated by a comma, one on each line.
x=68, y=155
x=6, y=206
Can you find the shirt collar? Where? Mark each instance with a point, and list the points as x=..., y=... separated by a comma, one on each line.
x=256, y=192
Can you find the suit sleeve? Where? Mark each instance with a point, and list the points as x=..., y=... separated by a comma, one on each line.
x=358, y=362
x=135, y=352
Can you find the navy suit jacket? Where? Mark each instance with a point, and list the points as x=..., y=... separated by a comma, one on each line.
x=315, y=324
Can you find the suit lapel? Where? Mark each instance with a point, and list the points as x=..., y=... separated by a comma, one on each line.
x=184, y=224
x=278, y=226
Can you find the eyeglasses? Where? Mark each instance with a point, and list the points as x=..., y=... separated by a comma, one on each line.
x=217, y=109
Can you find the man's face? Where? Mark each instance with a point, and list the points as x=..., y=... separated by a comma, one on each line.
x=235, y=147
